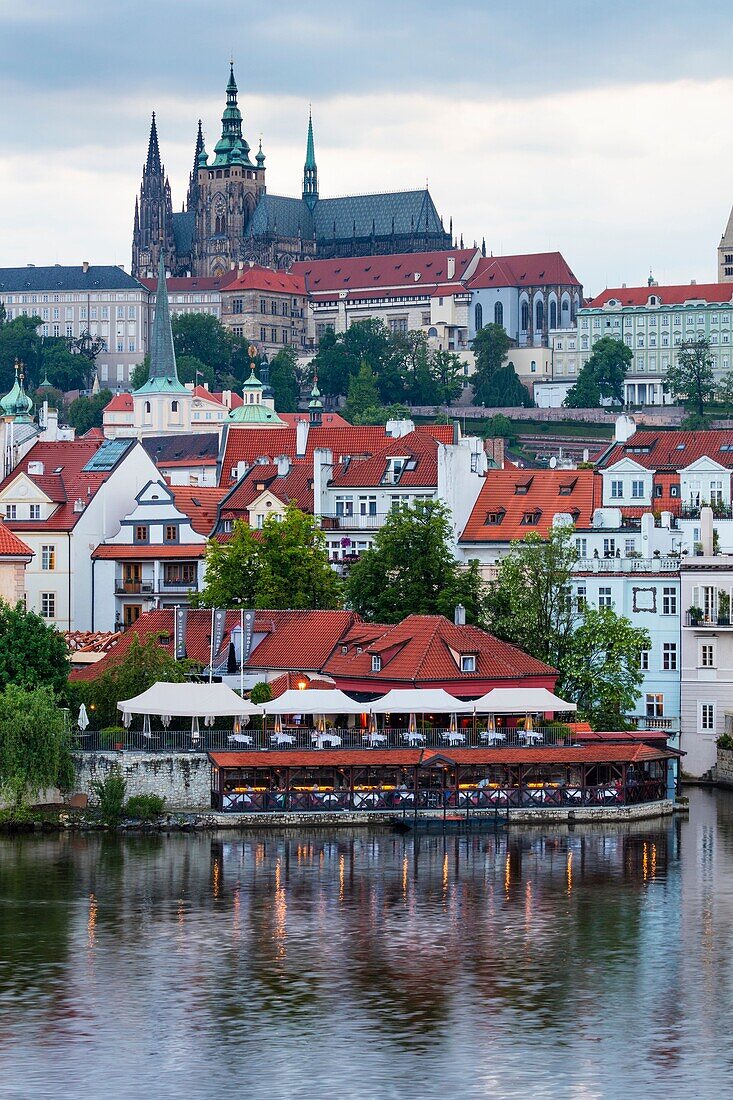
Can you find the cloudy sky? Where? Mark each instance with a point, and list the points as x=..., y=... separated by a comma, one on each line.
x=599, y=129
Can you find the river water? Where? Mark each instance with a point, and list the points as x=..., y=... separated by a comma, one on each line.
x=588, y=963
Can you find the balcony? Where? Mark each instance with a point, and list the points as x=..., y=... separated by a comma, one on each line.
x=628, y=565
x=134, y=588
x=178, y=586
x=354, y=523
x=721, y=510
x=708, y=622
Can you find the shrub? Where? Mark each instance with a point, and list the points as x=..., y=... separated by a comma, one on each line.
x=111, y=794
x=144, y=806
x=111, y=736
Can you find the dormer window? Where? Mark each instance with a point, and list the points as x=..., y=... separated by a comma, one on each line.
x=495, y=518
x=566, y=489
x=530, y=519
x=376, y=663
x=344, y=649
x=468, y=662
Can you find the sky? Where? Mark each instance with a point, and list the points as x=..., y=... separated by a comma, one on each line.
x=602, y=130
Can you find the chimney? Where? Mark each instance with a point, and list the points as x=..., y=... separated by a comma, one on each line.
x=624, y=428
x=85, y=266
x=301, y=438
x=451, y=270
x=283, y=465
x=456, y=432
x=706, y=531
x=322, y=473
x=51, y=429
x=459, y=615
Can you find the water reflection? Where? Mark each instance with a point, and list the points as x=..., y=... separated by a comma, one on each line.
x=332, y=964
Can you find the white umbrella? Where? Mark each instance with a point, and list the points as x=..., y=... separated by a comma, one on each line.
x=127, y=718
x=83, y=719
x=195, y=729
x=372, y=723
x=166, y=720
x=209, y=720
x=146, y=725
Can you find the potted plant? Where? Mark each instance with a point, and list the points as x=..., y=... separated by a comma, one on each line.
x=112, y=737
x=723, y=609
x=695, y=614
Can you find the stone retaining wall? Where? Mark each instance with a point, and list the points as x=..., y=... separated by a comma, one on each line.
x=182, y=779
x=723, y=770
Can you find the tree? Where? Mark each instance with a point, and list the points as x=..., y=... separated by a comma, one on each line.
x=260, y=693
x=501, y=427
x=410, y=569
x=140, y=374
x=490, y=347
x=190, y=369
x=601, y=671
x=19, y=340
x=34, y=743
x=284, y=380
x=690, y=377
x=504, y=390
x=378, y=414
x=529, y=602
x=341, y=355
x=602, y=377
x=86, y=412
x=363, y=393
x=32, y=653
x=203, y=337
x=284, y=565
x=145, y=663
x=446, y=369
x=63, y=369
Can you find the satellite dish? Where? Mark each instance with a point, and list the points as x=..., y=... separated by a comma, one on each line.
x=553, y=462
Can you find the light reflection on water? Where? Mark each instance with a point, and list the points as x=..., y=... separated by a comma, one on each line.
x=583, y=964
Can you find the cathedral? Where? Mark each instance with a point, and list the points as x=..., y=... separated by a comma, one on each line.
x=229, y=216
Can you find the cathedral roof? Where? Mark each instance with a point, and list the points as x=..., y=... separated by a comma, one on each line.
x=184, y=227
x=283, y=216
x=411, y=212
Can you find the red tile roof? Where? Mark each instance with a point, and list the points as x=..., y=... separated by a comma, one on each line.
x=289, y=682
x=418, y=447
x=667, y=295
x=64, y=487
x=426, y=649
x=200, y=504
x=264, y=278
x=543, y=754
x=330, y=419
x=126, y=552
x=533, y=269
x=295, y=486
x=94, y=433
x=121, y=402
x=673, y=450
x=393, y=272
x=540, y=494
x=11, y=546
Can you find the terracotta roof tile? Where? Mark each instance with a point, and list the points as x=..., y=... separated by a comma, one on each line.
x=11, y=546
x=532, y=269
x=63, y=488
x=178, y=552
x=396, y=271
x=420, y=448
x=264, y=278
x=200, y=504
x=668, y=295
x=508, y=496
x=673, y=450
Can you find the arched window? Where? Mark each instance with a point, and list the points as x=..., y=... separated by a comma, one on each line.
x=478, y=316
x=553, y=314
x=147, y=406
x=174, y=406
x=498, y=314
x=539, y=316
x=525, y=316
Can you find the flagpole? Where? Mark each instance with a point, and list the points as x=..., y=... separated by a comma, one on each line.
x=241, y=652
x=211, y=657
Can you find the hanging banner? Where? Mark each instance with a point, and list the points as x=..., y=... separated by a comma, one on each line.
x=181, y=614
x=248, y=624
x=217, y=636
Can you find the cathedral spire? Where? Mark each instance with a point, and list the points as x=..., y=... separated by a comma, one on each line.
x=231, y=148
x=163, y=376
x=152, y=164
x=193, y=190
x=310, y=170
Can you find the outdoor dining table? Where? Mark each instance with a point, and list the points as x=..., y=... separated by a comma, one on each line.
x=414, y=738
x=530, y=737
x=239, y=739
x=375, y=739
x=320, y=740
x=282, y=739
x=453, y=738
x=493, y=737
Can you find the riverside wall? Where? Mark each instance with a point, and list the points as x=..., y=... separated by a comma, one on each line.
x=182, y=779
x=722, y=772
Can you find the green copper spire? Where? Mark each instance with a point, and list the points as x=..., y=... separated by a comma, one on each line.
x=231, y=148
x=310, y=171
x=315, y=405
x=163, y=377
x=16, y=405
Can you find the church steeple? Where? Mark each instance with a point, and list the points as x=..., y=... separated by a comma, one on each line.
x=152, y=234
x=310, y=171
x=152, y=164
x=231, y=148
x=193, y=189
x=163, y=376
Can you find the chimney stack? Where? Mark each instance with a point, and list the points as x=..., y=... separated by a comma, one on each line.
x=459, y=615
x=85, y=266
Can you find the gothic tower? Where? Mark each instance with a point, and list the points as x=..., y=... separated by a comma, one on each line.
x=310, y=171
x=153, y=228
x=193, y=179
x=227, y=192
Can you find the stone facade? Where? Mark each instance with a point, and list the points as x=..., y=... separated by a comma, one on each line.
x=182, y=779
x=723, y=771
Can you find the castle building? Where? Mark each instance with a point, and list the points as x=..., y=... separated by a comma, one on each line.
x=229, y=217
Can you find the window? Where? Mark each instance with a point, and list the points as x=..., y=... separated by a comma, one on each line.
x=707, y=716
x=525, y=316
x=617, y=489
x=609, y=548
x=655, y=706
x=478, y=317
x=344, y=506
x=669, y=601
x=11, y=511
x=237, y=305
x=367, y=506
x=48, y=605
x=498, y=314
x=669, y=656
x=637, y=489
x=604, y=597
x=581, y=598
x=48, y=557
x=553, y=314
x=180, y=574
x=171, y=532
x=141, y=533
x=376, y=663
x=644, y=660
x=468, y=662
x=707, y=655
x=629, y=547
x=34, y=511
x=581, y=545
x=174, y=406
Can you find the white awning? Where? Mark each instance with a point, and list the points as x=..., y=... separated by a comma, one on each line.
x=188, y=701
x=520, y=700
x=418, y=701
x=314, y=701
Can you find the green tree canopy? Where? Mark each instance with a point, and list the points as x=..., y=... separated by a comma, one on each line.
x=410, y=569
x=501, y=427
x=602, y=377
x=490, y=347
x=284, y=565
x=202, y=336
x=284, y=380
x=504, y=390
x=690, y=378
x=446, y=369
x=86, y=412
x=34, y=743
x=19, y=340
x=378, y=414
x=363, y=392
x=145, y=663
x=601, y=671
x=32, y=653
x=64, y=369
